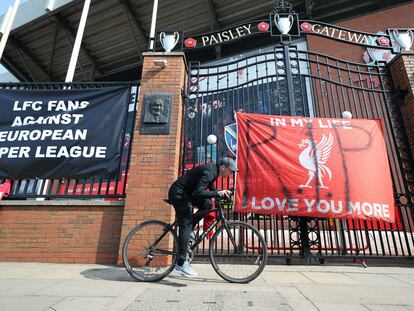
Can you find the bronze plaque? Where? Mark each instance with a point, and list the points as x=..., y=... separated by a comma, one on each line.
x=156, y=118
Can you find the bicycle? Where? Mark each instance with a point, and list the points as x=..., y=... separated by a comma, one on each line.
x=237, y=250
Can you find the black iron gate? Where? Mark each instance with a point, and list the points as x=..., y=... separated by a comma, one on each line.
x=285, y=80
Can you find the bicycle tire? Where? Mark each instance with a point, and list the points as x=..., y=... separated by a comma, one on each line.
x=255, y=248
x=133, y=259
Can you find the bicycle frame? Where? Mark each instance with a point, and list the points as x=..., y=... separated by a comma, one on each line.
x=219, y=219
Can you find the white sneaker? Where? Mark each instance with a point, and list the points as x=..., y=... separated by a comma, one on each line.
x=185, y=270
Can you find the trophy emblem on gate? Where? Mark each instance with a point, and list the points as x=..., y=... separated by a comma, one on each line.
x=284, y=20
x=169, y=40
x=284, y=24
x=404, y=39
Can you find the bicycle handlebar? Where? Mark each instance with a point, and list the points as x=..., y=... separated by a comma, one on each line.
x=228, y=200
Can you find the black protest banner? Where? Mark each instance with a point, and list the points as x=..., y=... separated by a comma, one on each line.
x=72, y=133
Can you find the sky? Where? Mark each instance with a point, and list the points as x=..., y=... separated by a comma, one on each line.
x=4, y=5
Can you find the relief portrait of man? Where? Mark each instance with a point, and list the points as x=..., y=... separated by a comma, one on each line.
x=156, y=110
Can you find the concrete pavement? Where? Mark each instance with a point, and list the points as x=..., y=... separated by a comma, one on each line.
x=64, y=287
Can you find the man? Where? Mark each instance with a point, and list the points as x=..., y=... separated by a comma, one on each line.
x=191, y=188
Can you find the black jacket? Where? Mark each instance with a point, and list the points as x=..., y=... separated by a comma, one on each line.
x=196, y=181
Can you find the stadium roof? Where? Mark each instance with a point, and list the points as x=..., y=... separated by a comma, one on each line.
x=117, y=31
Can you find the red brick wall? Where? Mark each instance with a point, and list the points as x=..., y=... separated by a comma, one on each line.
x=72, y=234
x=402, y=72
x=155, y=159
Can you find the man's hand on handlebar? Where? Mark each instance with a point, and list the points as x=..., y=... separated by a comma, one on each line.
x=225, y=193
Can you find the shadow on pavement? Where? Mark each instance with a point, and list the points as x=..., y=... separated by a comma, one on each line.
x=108, y=274
x=119, y=274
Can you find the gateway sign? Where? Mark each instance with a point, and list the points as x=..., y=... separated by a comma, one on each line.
x=343, y=34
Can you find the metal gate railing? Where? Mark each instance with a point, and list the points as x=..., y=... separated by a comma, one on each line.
x=79, y=188
x=287, y=81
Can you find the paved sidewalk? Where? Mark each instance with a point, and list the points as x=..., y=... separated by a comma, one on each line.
x=61, y=287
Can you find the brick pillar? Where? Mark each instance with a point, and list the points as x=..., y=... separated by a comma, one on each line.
x=155, y=159
x=402, y=74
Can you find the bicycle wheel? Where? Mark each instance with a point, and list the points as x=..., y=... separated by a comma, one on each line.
x=238, y=253
x=150, y=250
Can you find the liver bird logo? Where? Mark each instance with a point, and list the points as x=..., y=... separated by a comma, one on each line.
x=314, y=158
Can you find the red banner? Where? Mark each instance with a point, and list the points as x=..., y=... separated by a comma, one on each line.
x=5, y=189
x=315, y=167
